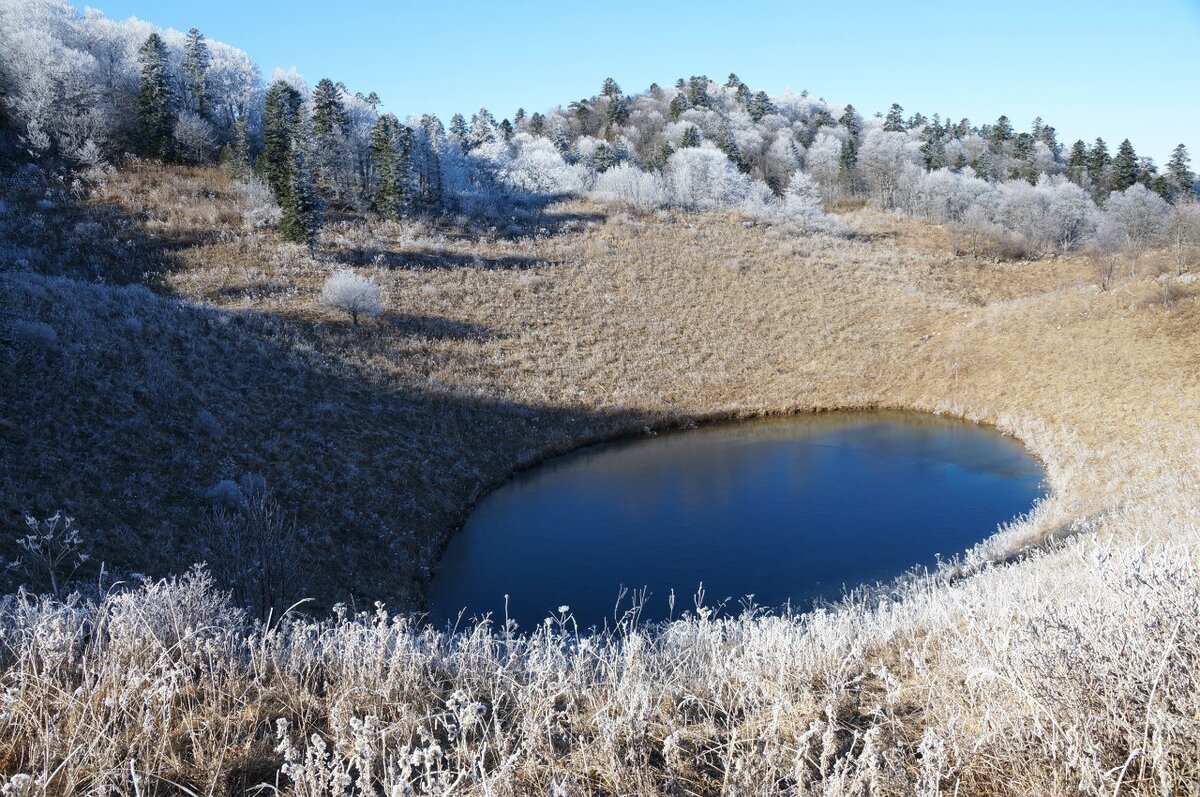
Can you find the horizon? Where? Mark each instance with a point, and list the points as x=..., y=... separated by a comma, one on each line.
x=1154, y=71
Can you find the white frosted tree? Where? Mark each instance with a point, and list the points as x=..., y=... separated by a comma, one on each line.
x=354, y=295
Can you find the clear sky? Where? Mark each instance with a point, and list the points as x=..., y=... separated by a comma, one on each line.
x=1099, y=68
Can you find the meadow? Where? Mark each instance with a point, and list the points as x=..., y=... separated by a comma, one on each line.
x=1058, y=657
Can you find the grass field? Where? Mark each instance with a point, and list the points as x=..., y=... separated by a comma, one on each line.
x=1056, y=658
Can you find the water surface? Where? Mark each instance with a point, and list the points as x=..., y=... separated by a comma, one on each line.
x=789, y=509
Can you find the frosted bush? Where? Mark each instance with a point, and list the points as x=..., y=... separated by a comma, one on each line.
x=702, y=178
x=256, y=203
x=355, y=295
x=631, y=187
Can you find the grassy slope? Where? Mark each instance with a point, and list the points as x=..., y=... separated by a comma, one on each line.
x=495, y=352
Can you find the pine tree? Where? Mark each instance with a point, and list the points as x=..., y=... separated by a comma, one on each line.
x=390, y=156
x=156, y=102
x=239, y=154
x=1125, y=167
x=195, y=72
x=1178, y=172
x=519, y=117
x=617, y=112
x=300, y=220
x=507, y=130
x=851, y=121
x=698, y=91
x=677, y=107
x=537, y=124
x=281, y=120
x=1098, y=162
x=691, y=137
x=603, y=158
x=1002, y=132
x=1077, y=162
x=426, y=149
x=329, y=117
x=483, y=129
x=658, y=160
x=760, y=106
x=458, y=132
x=848, y=157
x=894, y=121
x=610, y=88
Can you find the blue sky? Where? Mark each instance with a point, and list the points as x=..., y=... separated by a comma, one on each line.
x=1091, y=69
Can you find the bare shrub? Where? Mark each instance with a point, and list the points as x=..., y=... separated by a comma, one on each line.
x=254, y=549
x=53, y=550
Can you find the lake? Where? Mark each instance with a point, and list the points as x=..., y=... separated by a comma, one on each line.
x=787, y=510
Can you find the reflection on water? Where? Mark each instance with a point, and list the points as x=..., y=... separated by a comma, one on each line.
x=785, y=509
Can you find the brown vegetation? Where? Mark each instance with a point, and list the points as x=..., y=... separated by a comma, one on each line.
x=1071, y=671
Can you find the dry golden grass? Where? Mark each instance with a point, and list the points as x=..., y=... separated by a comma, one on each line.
x=687, y=317
x=1071, y=671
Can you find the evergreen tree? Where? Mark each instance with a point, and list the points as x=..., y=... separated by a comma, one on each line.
x=239, y=154
x=507, y=130
x=300, y=221
x=458, y=132
x=603, y=158
x=677, y=107
x=195, y=72
x=1002, y=132
x=1077, y=162
x=894, y=121
x=156, y=102
x=281, y=121
x=1178, y=172
x=1125, y=167
x=697, y=88
x=848, y=157
x=617, y=112
x=658, y=160
x=610, y=88
x=426, y=149
x=691, y=137
x=483, y=129
x=390, y=161
x=760, y=106
x=851, y=121
x=329, y=117
x=519, y=117
x=537, y=124
x=1098, y=162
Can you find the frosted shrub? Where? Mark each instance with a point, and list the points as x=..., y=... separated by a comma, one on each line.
x=256, y=203
x=195, y=138
x=355, y=295
x=630, y=187
x=700, y=178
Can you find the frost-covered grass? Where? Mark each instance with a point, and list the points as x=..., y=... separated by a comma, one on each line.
x=1067, y=667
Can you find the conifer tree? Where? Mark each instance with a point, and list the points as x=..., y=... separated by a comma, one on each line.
x=658, y=160
x=281, y=120
x=329, y=117
x=537, y=124
x=610, y=88
x=506, y=129
x=239, y=154
x=1178, y=172
x=426, y=149
x=156, y=101
x=1125, y=167
x=603, y=158
x=848, y=157
x=519, y=117
x=617, y=112
x=894, y=121
x=390, y=156
x=300, y=220
x=1077, y=162
x=1098, y=162
x=851, y=121
x=483, y=129
x=1003, y=131
x=760, y=106
x=677, y=107
x=691, y=137
x=698, y=91
x=195, y=72
x=458, y=132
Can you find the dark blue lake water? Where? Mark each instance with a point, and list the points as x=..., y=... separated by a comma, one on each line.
x=789, y=509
